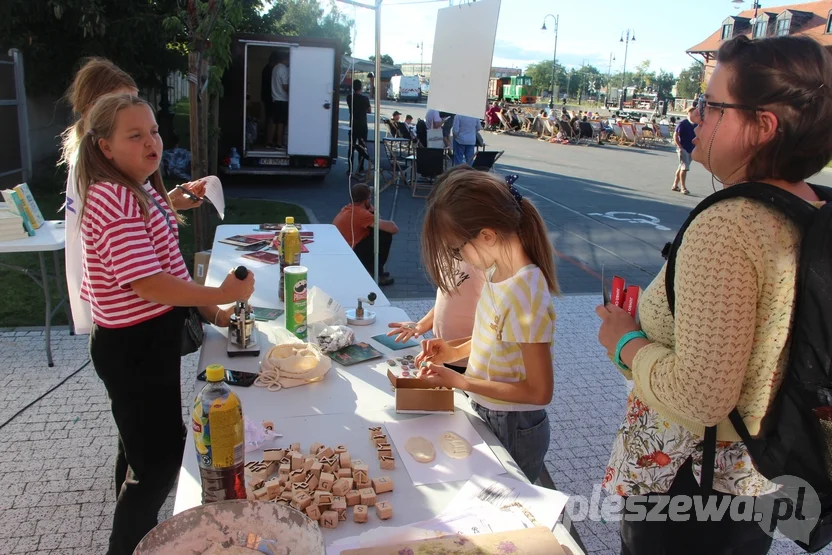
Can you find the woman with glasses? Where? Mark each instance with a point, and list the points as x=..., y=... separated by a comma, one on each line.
x=764, y=118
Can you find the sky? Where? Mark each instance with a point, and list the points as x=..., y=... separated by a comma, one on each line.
x=588, y=32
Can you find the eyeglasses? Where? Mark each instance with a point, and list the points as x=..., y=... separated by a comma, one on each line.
x=702, y=104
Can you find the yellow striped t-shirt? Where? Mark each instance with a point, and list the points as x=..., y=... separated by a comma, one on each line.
x=514, y=311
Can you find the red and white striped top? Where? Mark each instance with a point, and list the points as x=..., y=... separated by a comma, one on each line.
x=121, y=246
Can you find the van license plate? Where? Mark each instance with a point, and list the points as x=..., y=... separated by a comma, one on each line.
x=274, y=161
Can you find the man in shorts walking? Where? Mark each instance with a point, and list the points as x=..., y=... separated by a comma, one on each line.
x=683, y=137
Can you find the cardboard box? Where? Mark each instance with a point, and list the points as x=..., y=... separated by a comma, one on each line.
x=412, y=395
x=201, y=261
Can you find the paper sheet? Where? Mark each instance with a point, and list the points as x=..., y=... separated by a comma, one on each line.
x=544, y=506
x=482, y=461
x=213, y=191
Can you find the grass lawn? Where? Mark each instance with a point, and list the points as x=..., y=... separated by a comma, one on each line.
x=22, y=301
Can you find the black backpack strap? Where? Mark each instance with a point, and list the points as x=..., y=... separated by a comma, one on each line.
x=706, y=480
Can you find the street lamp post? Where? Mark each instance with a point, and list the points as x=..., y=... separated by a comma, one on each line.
x=554, y=56
x=421, y=47
x=609, y=77
x=626, y=48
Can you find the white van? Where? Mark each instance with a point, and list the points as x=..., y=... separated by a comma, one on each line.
x=405, y=87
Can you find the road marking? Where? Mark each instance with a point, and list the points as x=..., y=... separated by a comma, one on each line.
x=628, y=217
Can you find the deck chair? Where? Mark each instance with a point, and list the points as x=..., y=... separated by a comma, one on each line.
x=392, y=128
x=429, y=164
x=484, y=160
x=506, y=125
x=586, y=134
x=617, y=132
x=547, y=128
x=663, y=132
x=398, y=159
x=569, y=132
x=629, y=134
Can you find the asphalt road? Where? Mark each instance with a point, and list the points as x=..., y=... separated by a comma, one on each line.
x=605, y=206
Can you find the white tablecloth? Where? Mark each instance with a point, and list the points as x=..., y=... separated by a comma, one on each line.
x=331, y=262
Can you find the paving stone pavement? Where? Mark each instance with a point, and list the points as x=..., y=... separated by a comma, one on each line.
x=56, y=457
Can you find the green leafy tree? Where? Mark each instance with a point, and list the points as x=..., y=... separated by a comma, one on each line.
x=306, y=18
x=690, y=81
x=541, y=74
x=663, y=84
x=54, y=35
x=385, y=59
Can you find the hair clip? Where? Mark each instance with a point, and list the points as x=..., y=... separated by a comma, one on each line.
x=511, y=178
x=516, y=194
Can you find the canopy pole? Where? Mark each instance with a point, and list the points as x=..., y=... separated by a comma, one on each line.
x=377, y=144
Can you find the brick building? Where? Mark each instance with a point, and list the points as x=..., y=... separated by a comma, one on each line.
x=812, y=19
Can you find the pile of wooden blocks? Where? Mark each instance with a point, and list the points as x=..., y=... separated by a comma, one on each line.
x=385, y=452
x=323, y=483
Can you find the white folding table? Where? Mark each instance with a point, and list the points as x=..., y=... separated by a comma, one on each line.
x=48, y=237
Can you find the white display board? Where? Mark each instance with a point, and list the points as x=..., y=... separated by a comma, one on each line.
x=463, y=48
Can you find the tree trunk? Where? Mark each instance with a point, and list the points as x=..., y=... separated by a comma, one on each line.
x=199, y=142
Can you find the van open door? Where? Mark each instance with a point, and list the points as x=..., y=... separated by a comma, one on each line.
x=311, y=86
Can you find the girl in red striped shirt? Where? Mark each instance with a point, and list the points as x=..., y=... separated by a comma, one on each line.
x=136, y=282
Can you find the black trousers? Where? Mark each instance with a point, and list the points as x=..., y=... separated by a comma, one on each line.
x=692, y=537
x=139, y=366
x=364, y=250
x=358, y=143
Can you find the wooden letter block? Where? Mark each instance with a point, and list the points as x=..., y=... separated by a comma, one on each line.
x=384, y=510
x=360, y=468
x=274, y=455
x=344, y=460
x=316, y=469
x=325, y=482
x=344, y=473
x=359, y=514
x=383, y=484
x=261, y=494
x=374, y=431
x=378, y=439
x=325, y=454
x=300, y=486
x=384, y=450
x=329, y=519
x=323, y=499
x=313, y=512
x=249, y=493
x=274, y=488
x=301, y=500
x=297, y=461
x=295, y=447
x=315, y=447
x=353, y=498
x=341, y=486
x=368, y=496
x=297, y=476
x=387, y=463
x=339, y=505
x=307, y=464
x=312, y=482
x=340, y=449
x=284, y=468
x=356, y=462
x=287, y=495
x=258, y=471
x=362, y=480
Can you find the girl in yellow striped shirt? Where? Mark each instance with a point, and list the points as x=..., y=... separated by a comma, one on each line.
x=479, y=218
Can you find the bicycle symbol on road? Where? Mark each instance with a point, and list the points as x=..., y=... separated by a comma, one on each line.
x=633, y=218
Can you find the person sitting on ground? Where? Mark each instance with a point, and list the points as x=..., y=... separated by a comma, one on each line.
x=355, y=222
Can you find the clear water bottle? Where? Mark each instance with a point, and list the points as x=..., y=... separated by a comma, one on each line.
x=219, y=438
x=234, y=159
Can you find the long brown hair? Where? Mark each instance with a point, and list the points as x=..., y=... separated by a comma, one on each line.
x=466, y=201
x=93, y=167
x=791, y=77
x=95, y=78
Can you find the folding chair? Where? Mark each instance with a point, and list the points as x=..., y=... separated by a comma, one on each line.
x=618, y=132
x=504, y=123
x=429, y=164
x=629, y=134
x=485, y=159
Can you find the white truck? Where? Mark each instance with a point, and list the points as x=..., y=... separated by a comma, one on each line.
x=312, y=128
x=405, y=87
